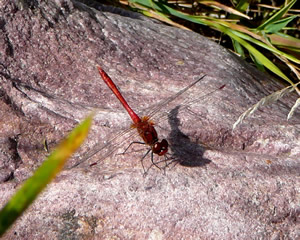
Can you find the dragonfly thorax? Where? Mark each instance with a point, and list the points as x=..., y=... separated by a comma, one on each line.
x=146, y=130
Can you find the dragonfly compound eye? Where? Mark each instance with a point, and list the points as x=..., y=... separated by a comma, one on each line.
x=160, y=148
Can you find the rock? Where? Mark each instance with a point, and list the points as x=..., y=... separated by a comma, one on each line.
x=237, y=184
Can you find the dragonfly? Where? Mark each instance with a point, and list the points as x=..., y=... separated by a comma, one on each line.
x=144, y=125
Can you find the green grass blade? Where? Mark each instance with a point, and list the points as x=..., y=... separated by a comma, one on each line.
x=285, y=40
x=258, y=64
x=235, y=35
x=276, y=16
x=258, y=55
x=214, y=23
x=260, y=43
x=160, y=7
x=42, y=176
x=238, y=48
x=278, y=25
x=242, y=5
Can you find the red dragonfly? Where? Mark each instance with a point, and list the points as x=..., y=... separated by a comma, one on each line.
x=144, y=125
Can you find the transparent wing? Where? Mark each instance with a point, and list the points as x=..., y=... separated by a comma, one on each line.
x=161, y=116
x=112, y=145
x=165, y=102
x=108, y=148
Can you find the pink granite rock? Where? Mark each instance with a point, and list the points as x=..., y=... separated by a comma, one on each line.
x=241, y=184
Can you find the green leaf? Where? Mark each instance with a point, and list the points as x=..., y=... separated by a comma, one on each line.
x=276, y=16
x=233, y=34
x=160, y=7
x=278, y=25
x=242, y=5
x=238, y=48
x=264, y=45
x=258, y=55
x=43, y=175
x=258, y=64
x=285, y=40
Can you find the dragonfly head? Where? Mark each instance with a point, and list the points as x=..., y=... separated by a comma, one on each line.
x=160, y=148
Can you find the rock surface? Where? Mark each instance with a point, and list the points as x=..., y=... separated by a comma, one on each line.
x=241, y=184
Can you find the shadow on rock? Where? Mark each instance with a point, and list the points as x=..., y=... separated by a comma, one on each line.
x=185, y=152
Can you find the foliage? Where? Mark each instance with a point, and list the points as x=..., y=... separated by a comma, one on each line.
x=268, y=34
x=258, y=32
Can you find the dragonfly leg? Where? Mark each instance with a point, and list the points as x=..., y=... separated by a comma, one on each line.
x=142, y=161
x=154, y=163
x=130, y=146
x=168, y=160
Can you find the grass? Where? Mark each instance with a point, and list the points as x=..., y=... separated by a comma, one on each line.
x=33, y=186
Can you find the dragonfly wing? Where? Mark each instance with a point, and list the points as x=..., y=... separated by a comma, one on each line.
x=159, y=116
x=107, y=149
x=173, y=97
